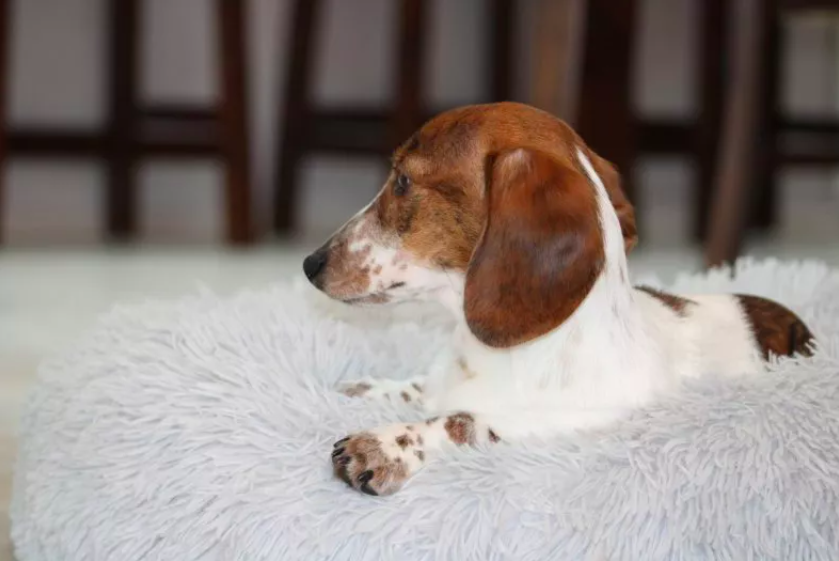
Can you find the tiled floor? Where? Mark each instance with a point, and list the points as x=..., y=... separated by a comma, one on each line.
x=47, y=297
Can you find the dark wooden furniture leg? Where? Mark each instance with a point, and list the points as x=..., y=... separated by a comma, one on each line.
x=713, y=20
x=234, y=119
x=410, y=57
x=502, y=53
x=120, y=188
x=5, y=38
x=765, y=209
x=606, y=119
x=731, y=198
x=298, y=86
x=553, y=49
x=121, y=191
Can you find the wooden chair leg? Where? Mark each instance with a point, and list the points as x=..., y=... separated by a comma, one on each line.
x=234, y=119
x=410, y=57
x=765, y=208
x=501, y=50
x=301, y=52
x=553, y=53
x=713, y=19
x=606, y=119
x=121, y=196
x=5, y=38
x=731, y=197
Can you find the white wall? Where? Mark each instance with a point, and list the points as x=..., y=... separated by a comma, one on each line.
x=57, y=77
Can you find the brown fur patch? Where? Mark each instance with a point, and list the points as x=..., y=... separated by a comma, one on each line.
x=356, y=390
x=541, y=251
x=405, y=397
x=447, y=161
x=404, y=441
x=675, y=303
x=777, y=330
x=461, y=428
x=493, y=437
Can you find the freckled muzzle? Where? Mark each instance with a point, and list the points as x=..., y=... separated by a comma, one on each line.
x=363, y=263
x=340, y=267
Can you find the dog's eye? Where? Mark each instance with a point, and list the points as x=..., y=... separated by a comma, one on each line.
x=402, y=184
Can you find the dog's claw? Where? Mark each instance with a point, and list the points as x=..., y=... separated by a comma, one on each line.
x=340, y=442
x=337, y=452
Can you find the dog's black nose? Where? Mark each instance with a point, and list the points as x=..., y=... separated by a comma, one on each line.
x=314, y=264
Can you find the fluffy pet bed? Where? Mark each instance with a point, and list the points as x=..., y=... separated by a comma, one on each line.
x=201, y=430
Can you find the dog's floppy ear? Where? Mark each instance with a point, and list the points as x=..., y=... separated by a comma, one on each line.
x=623, y=208
x=540, y=253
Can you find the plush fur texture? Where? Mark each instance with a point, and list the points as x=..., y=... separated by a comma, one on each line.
x=199, y=430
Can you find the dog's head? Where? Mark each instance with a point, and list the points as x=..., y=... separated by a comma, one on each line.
x=491, y=205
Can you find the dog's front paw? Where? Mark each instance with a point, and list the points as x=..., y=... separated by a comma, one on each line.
x=378, y=463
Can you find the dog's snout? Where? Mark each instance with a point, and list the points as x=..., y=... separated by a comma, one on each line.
x=314, y=264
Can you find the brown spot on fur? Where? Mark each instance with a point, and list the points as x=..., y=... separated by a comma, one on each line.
x=356, y=390
x=461, y=428
x=493, y=437
x=405, y=397
x=377, y=269
x=777, y=330
x=464, y=367
x=541, y=252
x=416, y=387
x=404, y=441
x=675, y=303
x=420, y=454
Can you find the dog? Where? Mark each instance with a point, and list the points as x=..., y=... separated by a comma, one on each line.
x=504, y=215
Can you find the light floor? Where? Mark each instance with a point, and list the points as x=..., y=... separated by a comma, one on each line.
x=47, y=297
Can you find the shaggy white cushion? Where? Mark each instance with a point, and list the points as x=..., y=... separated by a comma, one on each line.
x=201, y=430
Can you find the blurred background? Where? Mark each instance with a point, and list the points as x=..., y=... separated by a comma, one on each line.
x=149, y=145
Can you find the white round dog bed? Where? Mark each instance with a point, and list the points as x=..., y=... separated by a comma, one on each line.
x=201, y=430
